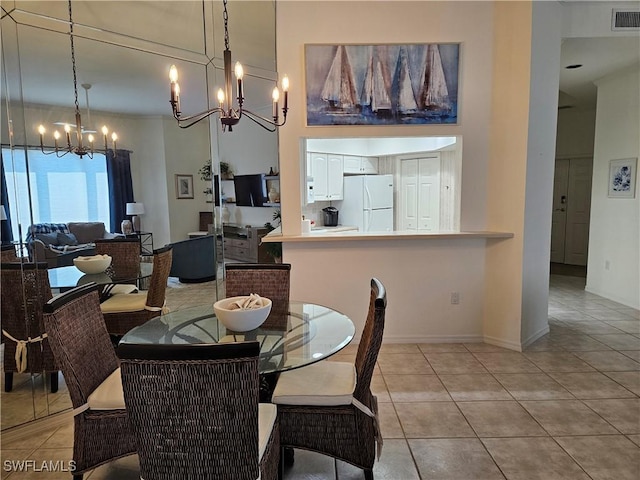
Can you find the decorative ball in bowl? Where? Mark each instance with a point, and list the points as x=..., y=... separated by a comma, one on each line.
x=93, y=264
x=244, y=313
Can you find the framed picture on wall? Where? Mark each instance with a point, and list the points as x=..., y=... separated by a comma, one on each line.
x=394, y=84
x=622, y=178
x=184, y=186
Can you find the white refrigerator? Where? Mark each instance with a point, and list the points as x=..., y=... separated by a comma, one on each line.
x=368, y=203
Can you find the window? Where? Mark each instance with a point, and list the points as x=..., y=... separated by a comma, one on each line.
x=67, y=189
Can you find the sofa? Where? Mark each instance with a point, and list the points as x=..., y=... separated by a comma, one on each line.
x=194, y=260
x=59, y=243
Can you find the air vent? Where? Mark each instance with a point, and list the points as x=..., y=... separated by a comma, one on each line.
x=625, y=20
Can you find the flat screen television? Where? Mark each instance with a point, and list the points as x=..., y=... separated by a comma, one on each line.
x=251, y=190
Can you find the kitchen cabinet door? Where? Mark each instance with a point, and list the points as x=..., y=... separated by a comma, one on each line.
x=327, y=176
x=354, y=164
x=320, y=170
x=335, y=171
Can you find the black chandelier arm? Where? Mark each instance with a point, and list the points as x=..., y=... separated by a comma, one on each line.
x=189, y=120
x=260, y=120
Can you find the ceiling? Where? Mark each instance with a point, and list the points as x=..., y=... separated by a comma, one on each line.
x=598, y=57
x=134, y=80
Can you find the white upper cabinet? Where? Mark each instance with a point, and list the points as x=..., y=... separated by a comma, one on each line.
x=327, y=171
x=354, y=164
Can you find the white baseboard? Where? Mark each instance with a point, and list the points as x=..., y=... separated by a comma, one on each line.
x=535, y=336
x=432, y=339
x=499, y=342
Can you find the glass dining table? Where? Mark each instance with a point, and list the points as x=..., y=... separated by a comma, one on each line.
x=69, y=277
x=307, y=334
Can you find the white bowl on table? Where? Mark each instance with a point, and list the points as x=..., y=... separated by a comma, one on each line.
x=93, y=264
x=241, y=320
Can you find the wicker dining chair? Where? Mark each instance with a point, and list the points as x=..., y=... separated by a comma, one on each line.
x=125, y=261
x=328, y=407
x=123, y=312
x=8, y=253
x=271, y=280
x=81, y=345
x=25, y=289
x=195, y=412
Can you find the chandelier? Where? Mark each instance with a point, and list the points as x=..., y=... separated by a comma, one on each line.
x=229, y=116
x=79, y=149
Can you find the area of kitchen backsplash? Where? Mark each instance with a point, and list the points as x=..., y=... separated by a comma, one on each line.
x=313, y=212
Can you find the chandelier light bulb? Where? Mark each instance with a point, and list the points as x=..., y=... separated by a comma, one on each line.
x=67, y=128
x=220, y=96
x=173, y=74
x=56, y=135
x=275, y=94
x=41, y=130
x=285, y=84
x=114, y=136
x=90, y=138
x=105, y=130
x=239, y=71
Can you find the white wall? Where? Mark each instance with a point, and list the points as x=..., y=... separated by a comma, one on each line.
x=615, y=225
x=543, y=108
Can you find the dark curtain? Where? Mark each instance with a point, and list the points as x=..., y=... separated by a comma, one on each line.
x=120, y=186
x=6, y=233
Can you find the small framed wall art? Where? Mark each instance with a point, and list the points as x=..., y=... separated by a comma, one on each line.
x=184, y=186
x=622, y=178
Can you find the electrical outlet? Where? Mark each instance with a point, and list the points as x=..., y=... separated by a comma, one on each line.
x=455, y=298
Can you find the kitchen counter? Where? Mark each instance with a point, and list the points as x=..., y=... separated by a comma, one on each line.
x=332, y=234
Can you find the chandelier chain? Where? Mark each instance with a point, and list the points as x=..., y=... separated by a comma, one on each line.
x=73, y=59
x=225, y=16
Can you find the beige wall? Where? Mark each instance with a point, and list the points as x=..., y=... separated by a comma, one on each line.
x=421, y=274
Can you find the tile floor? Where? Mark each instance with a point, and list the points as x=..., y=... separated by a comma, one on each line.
x=568, y=407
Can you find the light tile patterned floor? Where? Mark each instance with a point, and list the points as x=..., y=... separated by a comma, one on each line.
x=567, y=407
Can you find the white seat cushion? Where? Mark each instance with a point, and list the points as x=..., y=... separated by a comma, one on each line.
x=132, y=302
x=108, y=395
x=123, y=289
x=320, y=384
x=267, y=414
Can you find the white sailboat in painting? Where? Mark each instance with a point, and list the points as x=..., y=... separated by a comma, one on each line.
x=404, y=100
x=434, y=94
x=339, y=89
x=374, y=90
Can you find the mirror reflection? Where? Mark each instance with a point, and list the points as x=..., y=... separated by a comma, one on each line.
x=181, y=181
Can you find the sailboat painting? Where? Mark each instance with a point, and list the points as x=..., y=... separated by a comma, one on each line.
x=415, y=84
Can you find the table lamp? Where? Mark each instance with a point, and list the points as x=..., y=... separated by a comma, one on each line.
x=136, y=209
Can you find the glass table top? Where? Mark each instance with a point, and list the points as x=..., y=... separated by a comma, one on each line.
x=308, y=334
x=69, y=277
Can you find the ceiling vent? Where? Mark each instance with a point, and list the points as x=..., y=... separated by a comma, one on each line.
x=625, y=20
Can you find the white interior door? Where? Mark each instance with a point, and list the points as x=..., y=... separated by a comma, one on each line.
x=409, y=194
x=420, y=193
x=571, y=211
x=559, y=215
x=429, y=199
x=578, y=212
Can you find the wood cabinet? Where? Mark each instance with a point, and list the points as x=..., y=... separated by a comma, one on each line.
x=327, y=171
x=243, y=244
x=355, y=164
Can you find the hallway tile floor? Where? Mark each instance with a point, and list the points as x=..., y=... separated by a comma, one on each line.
x=567, y=407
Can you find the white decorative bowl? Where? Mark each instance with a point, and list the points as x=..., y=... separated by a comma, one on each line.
x=241, y=320
x=92, y=265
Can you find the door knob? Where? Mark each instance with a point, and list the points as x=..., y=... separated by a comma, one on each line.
x=558, y=210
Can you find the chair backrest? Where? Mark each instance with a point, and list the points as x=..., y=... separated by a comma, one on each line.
x=124, y=253
x=79, y=340
x=24, y=290
x=271, y=280
x=370, y=341
x=9, y=253
x=193, y=409
x=156, y=294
